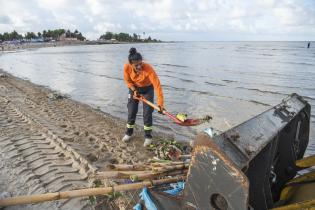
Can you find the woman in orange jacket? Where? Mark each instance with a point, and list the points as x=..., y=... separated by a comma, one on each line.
x=141, y=78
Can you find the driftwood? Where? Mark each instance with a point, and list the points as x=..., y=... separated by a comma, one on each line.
x=168, y=163
x=117, y=174
x=125, y=167
x=27, y=199
x=124, y=171
x=184, y=156
x=155, y=175
x=138, y=175
x=170, y=167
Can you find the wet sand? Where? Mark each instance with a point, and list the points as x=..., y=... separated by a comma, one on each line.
x=49, y=145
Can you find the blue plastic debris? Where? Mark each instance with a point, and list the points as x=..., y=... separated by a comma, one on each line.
x=209, y=131
x=137, y=207
x=177, y=188
x=149, y=204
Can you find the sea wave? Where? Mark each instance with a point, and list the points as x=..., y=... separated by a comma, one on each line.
x=173, y=88
x=181, y=79
x=94, y=74
x=264, y=91
x=258, y=102
x=174, y=65
x=214, y=84
x=185, y=74
x=308, y=97
x=229, y=81
x=266, y=54
x=298, y=63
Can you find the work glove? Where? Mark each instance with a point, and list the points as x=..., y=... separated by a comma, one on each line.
x=135, y=92
x=161, y=110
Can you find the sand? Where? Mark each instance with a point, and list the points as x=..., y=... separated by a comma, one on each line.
x=13, y=47
x=49, y=145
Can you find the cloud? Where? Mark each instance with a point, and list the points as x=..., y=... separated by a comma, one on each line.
x=166, y=19
x=4, y=19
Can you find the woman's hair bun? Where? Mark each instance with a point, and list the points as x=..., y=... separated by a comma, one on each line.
x=132, y=51
x=134, y=55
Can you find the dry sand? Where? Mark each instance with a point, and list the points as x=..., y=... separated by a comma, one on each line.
x=49, y=145
x=12, y=47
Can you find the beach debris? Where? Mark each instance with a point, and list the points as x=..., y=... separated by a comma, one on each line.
x=250, y=149
x=97, y=108
x=2, y=75
x=124, y=167
x=232, y=135
x=176, y=188
x=96, y=184
x=180, y=119
x=181, y=116
x=4, y=195
x=56, y=96
x=153, y=169
x=168, y=149
x=211, y=132
x=37, y=198
x=146, y=199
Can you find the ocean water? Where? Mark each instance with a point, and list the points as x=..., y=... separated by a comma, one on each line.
x=232, y=81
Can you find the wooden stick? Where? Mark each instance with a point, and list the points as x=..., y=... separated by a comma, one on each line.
x=136, y=175
x=26, y=199
x=157, y=174
x=125, y=167
x=138, y=167
x=117, y=174
x=159, y=161
x=170, y=168
x=185, y=156
x=168, y=163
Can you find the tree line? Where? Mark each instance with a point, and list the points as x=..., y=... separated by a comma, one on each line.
x=45, y=34
x=125, y=37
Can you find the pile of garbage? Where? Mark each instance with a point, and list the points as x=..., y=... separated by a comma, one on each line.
x=171, y=161
x=170, y=150
x=57, y=96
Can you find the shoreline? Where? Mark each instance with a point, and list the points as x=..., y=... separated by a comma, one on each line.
x=52, y=144
x=35, y=45
x=11, y=47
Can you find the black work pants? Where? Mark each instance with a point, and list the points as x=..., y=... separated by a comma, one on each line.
x=148, y=93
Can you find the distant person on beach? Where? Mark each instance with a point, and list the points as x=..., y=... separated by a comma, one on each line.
x=309, y=45
x=141, y=78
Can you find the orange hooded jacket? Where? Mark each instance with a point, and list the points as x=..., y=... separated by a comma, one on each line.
x=145, y=77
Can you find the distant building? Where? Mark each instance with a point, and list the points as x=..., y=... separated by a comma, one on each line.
x=47, y=39
x=39, y=39
x=63, y=37
x=15, y=42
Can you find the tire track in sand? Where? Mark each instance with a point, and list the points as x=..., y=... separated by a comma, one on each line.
x=38, y=161
x=52, y=145
x=93, y=136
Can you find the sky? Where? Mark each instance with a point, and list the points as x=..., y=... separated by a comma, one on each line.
x=167, y=20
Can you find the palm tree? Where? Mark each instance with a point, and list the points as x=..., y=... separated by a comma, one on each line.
x=68, y=33
x=44, y=33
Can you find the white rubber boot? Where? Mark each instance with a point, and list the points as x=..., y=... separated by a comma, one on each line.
x=147, y=142
x=126, y=138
